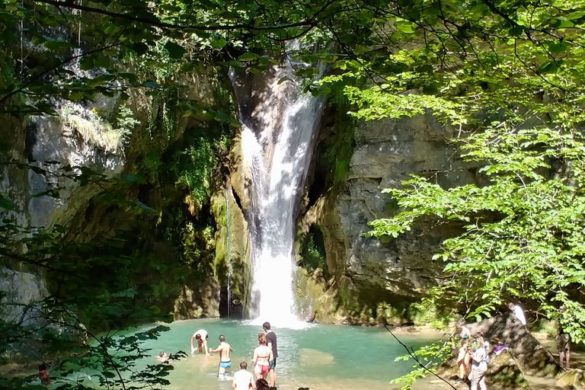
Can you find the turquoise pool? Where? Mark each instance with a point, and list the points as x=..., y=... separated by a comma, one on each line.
x=321, y=357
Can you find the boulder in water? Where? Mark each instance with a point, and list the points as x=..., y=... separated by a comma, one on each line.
x=313, y=357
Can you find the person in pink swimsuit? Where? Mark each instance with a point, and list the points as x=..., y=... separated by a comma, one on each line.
x=262, y=357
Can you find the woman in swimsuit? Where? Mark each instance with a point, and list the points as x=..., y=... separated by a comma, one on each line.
x=262, y=357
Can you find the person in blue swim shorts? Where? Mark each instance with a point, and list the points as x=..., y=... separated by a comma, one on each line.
x=225, y=360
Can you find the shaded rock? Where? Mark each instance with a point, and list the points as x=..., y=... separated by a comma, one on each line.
x=503, y=370
x=232, y=253
x=528, y=353
x=20, y=293
x=195, y=304
x=313, y=357
x=525, y=363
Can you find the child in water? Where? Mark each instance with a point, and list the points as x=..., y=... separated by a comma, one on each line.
x=44, y=374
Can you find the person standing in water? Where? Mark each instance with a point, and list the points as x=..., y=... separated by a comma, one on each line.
x=163, y=358
x=262, y=357
x=44, y=374
x=243, y=379
x=200, y=337
x=225, y=360
x=272, y=344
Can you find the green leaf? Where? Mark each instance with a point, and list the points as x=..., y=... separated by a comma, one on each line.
x=564, y=23
x=218, y=43
x=175, y=51
x=139, y=47
x=516, y=31
x=57, y=45
x=6, y=203
x=405, y=27
x=549, y=67
x=248, y=56
x=558, y=47
x=575, y=15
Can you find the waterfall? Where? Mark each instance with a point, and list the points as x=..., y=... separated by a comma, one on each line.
x=279, y=123
x=227, y=247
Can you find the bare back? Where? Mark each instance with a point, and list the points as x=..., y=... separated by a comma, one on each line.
x=224, y=350
x=262, y=355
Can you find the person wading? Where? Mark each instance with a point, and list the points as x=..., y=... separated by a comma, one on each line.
x=262, y=357
x=200, y=337
x=272, y=344
x=225, y=360
x=243, y=379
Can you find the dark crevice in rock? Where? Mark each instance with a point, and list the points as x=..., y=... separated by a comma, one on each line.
x=237, y=199
x=30, y=141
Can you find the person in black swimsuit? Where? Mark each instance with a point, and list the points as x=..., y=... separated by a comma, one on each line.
x=272, y=343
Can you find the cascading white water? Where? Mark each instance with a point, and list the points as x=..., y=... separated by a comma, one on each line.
x=277, y=143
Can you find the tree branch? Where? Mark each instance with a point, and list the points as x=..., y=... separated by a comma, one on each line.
x=155, y=22
x=4, y=253
x=53, y=68
x=417, y=360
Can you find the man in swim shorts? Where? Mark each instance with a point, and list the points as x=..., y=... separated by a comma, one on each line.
x=271, y=340
x=200, y=337
x=225, y=361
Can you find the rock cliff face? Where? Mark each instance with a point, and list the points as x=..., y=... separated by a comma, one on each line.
x=22, y=289
x=349, y=277
x=38, y=178
x=78, y=170
x=232, y=254
x=382, y=277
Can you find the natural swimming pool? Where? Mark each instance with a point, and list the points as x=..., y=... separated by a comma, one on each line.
x=321, y=357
